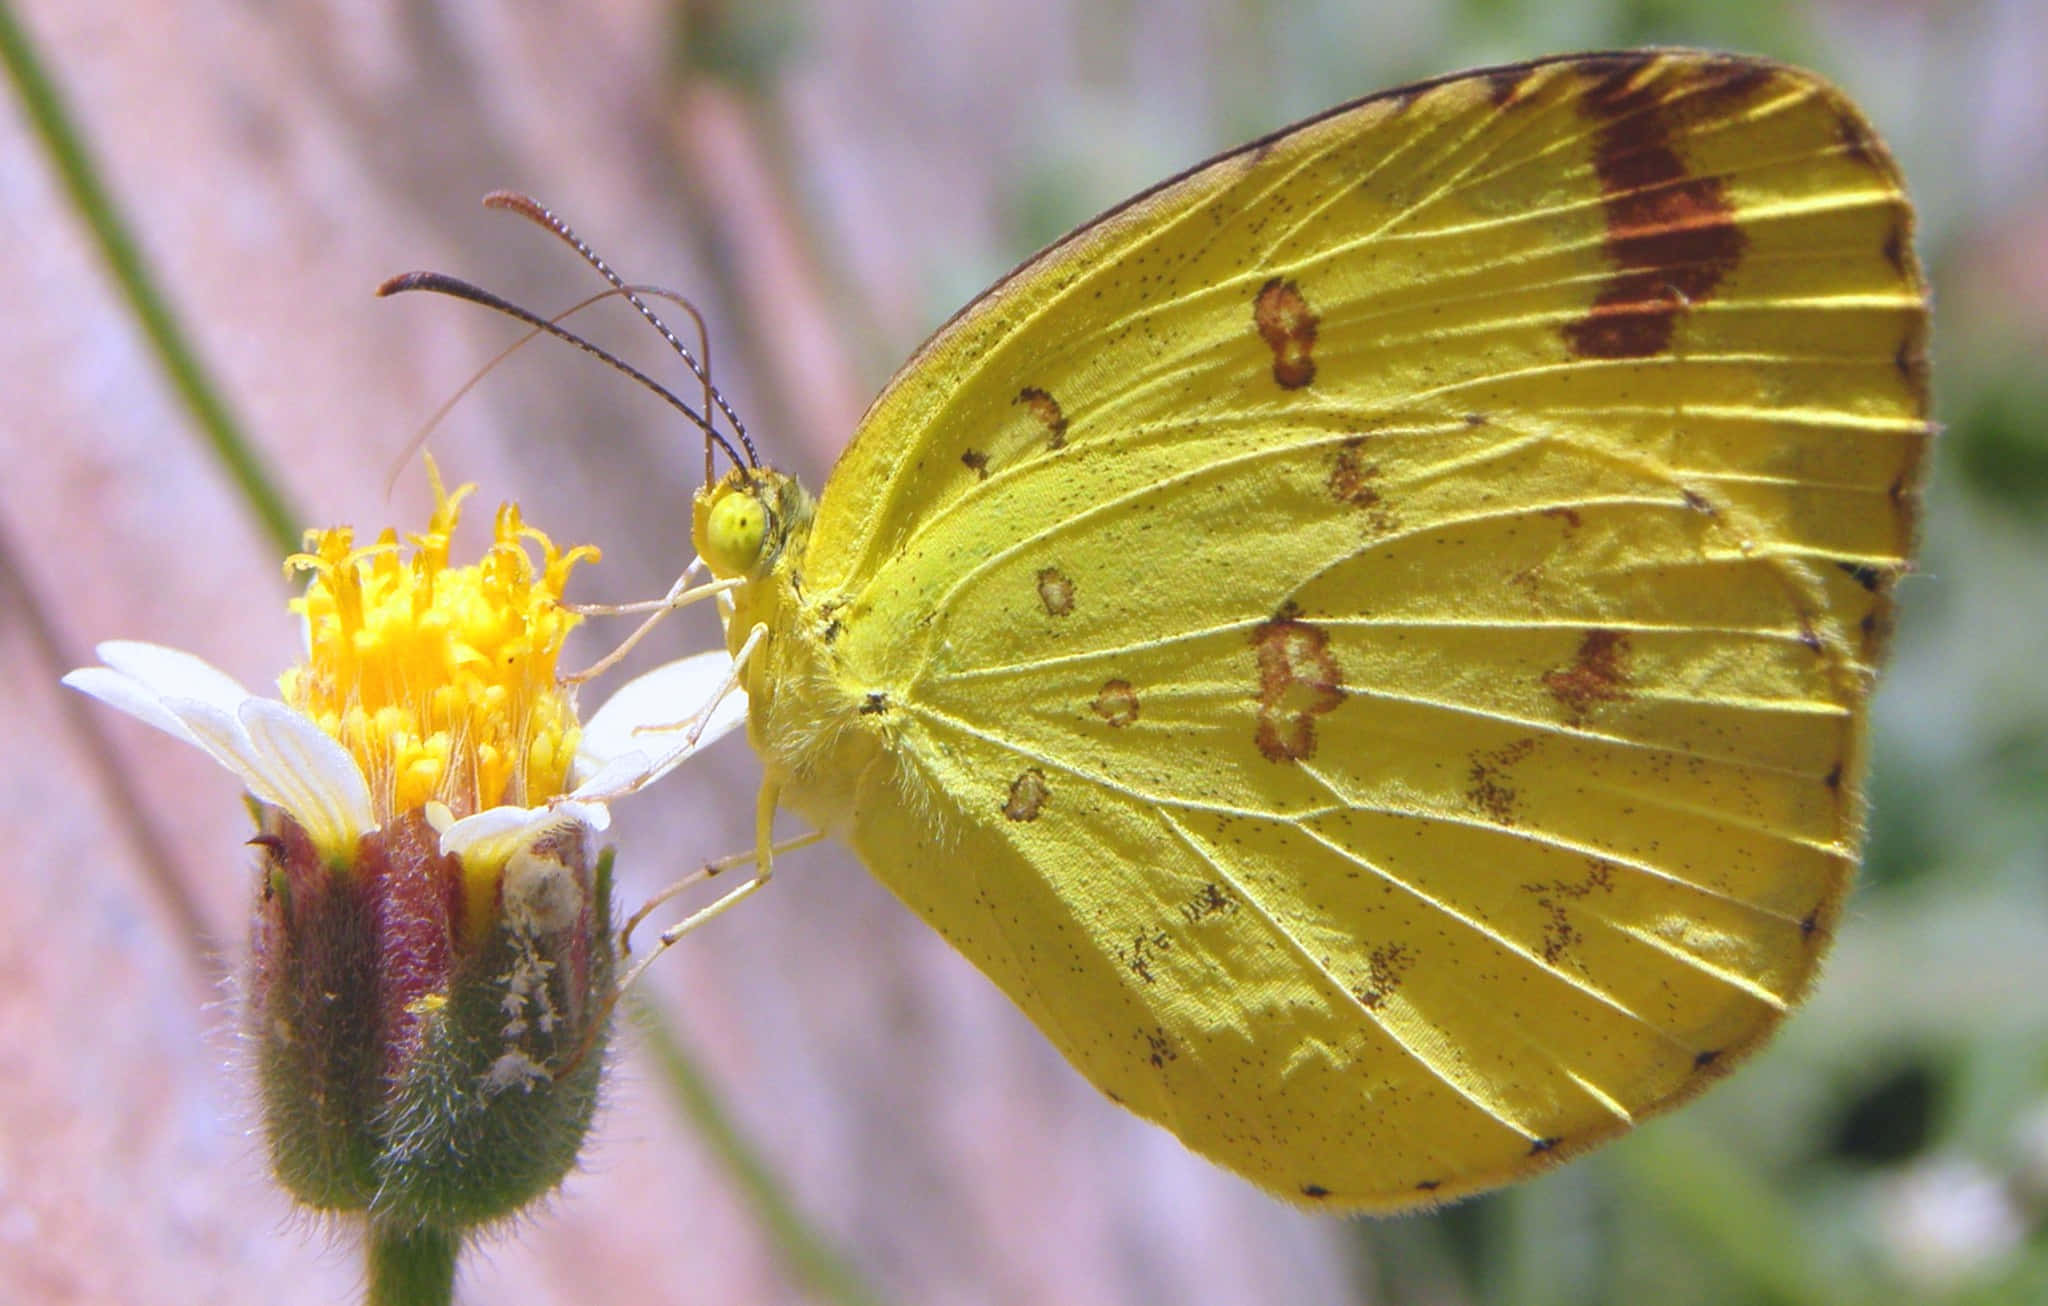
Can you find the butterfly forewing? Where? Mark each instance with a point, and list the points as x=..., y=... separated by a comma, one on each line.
x=1370, y=641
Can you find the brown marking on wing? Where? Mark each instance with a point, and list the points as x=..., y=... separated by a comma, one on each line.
x=1047, y=410
x=1559, y=933
x=1895, y=246
x=1671, y=236
x=1298, y=680
x=1055, y=591
x=1910, y=358
x=1385, y=966
x=1504, y=85
x=1142, y=951
x=1858, y=143
x=1351, y=477
x=1159, y=1049
x=1117, y=703
x=1212, y=899
x=977, y=462
x=1490, y=791
x=1598, y=673
x=1288, y=327
x=1355, y=481
x=1028, y=796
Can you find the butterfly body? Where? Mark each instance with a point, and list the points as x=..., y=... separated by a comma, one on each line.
x=1368, y=644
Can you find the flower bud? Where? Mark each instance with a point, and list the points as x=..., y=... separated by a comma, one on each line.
x=427, y=1067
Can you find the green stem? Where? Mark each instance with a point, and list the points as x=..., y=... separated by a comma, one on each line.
x=411, y=1266
x=81, y=177
x=804, y=1251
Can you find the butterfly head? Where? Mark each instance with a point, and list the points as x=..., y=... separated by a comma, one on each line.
x=742, y=525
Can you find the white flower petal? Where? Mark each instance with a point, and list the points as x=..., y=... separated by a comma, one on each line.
x=645, y=730
x=620, y=776
x=220, y=732
x=494, y=834
x=138, y=700
x=172, y=673
x=329, y=795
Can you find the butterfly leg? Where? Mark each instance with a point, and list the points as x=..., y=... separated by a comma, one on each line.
x=708, y=871
x=680, y=595
x=763, y=858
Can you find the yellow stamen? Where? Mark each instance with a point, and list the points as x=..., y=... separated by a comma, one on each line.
x=440, y=680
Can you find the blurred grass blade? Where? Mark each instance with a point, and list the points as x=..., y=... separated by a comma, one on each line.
x=52, y=123
x=804, y=1251
x=1758, y=1235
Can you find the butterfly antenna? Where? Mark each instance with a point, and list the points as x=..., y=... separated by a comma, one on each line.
x=711, y=395
x=441, y=283
x=427, y=427
x=533, y=210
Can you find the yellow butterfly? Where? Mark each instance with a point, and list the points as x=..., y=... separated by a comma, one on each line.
x=1369, y=642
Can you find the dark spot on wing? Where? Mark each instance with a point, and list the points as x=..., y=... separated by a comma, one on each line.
x=1298, y=680
x=1117, y=702
x=1028, y=796
x=1910, y=358
x=977, y=462
x=1212, y=899
x=1047, y=410
x=1285, y=322
x=1598, y=673
x=1895, y=246
x=1159, y=1050
x=1857, y=141
x=1055, y=591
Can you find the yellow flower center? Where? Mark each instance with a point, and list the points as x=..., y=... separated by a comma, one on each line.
x=440, y=680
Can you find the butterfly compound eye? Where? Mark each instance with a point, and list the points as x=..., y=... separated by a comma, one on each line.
x=734, y=532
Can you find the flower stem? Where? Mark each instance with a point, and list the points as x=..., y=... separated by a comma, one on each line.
x=411, y=1265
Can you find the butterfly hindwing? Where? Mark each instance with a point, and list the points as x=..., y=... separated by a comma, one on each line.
x=1369, y=643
